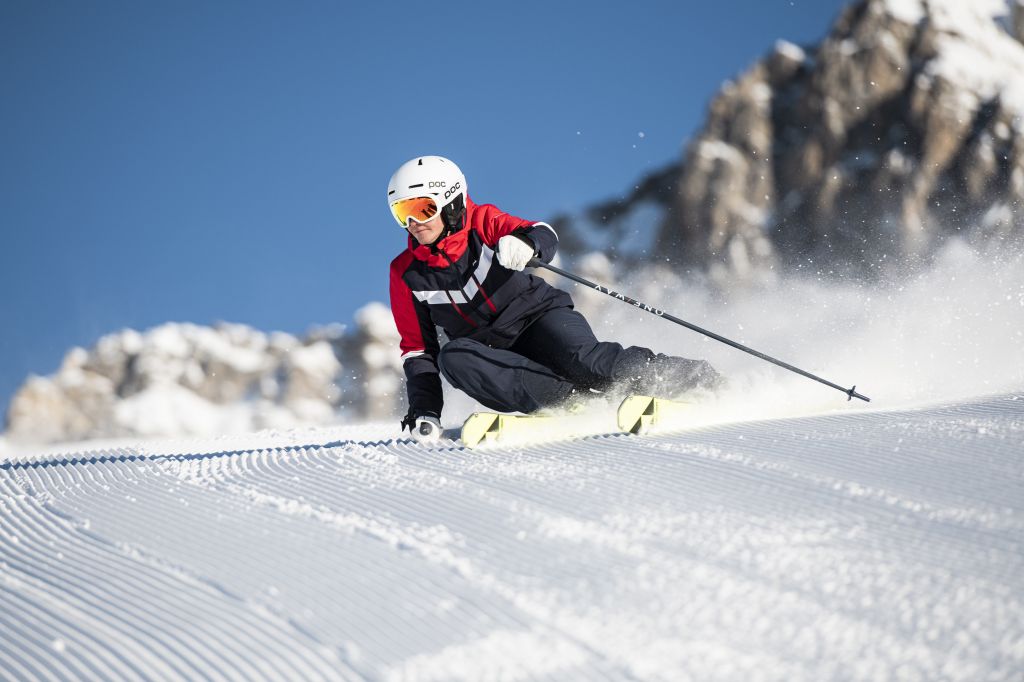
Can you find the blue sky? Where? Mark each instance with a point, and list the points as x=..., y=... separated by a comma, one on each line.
x=206, y=161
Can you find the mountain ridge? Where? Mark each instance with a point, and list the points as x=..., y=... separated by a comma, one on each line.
x=904, y=126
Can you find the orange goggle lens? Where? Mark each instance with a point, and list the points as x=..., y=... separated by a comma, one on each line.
x=420, y=209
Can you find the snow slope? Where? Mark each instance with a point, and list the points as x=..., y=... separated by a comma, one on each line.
x=862, y=545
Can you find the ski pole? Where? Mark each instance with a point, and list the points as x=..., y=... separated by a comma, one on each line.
x=851, y=393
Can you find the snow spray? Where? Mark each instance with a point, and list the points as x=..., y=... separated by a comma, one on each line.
x=951, y=332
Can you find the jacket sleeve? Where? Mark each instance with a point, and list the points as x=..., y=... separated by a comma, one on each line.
x=495, y=224
x=419, y=345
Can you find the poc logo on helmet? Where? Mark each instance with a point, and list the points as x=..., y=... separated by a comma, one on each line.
x=455, y=188
x=435, y=183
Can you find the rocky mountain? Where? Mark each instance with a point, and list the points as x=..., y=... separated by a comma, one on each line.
x=905, y=125
x=180, y=379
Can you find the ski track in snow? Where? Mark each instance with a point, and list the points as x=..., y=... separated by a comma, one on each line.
x=866, y=545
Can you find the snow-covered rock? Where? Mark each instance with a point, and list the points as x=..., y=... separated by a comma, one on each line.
x=182, y=379
x=903, y=127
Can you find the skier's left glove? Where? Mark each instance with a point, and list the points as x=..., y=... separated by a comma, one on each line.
x=515, y=251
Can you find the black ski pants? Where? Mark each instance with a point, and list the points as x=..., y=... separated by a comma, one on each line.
x=557, y=356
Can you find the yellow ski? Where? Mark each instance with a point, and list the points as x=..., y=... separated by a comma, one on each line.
x=637, y=414
x=491, y=427
x=643, y=413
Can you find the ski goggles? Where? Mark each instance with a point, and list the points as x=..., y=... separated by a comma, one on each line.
x=420, y=209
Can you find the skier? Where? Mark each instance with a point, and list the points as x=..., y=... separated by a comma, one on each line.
x=515, y=344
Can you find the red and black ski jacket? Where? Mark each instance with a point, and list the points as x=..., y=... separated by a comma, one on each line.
x=457, y=284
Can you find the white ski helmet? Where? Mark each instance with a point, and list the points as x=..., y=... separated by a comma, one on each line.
x=430, y=176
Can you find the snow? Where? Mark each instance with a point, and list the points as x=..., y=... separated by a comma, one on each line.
x=503, y=650
x=317, y=360
x=377, y=320
x=907, y=11
x=989, y=67
x=791, y=51
x=168, y=407
x=717, y=150
x=955, y=16
x=973, y=49
x=856, y=545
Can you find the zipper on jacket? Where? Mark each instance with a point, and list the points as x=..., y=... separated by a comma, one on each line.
x=479, y=284
x=437, y=249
